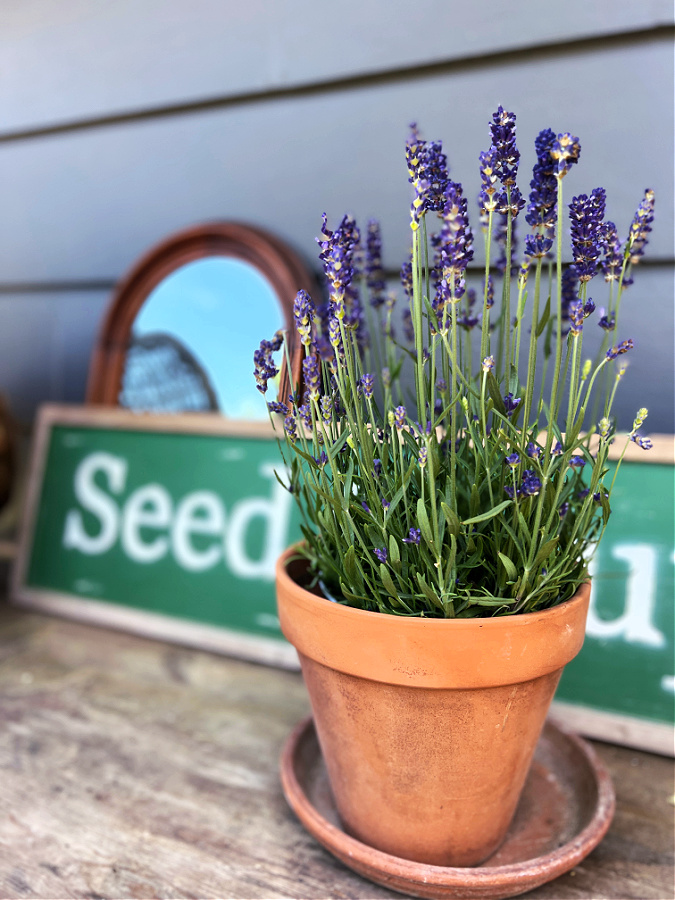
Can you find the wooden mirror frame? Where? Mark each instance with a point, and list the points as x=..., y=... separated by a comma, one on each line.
x=280, y=265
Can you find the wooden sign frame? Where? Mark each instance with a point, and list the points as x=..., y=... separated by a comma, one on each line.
x=142, y=622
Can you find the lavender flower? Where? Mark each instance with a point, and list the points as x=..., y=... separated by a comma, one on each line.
x=508, y=490
x=455, y=240
x=381, y=554
x=312, y=376
x=557, y=449
x=487, y=200
x=428, y=174
x=327, y=410
x=531, y=484
x=640, y=227
x=511, y=403
x=373, y=268
x=408, y=328
x=407, y=278
x=337, y=250
x=414, y=536
x=564, y=507
x=305, y=414
x=264, y=368
x=290, y=427
x=365, y=506
x=513, y=460
x=541, y=210
x=607, y=322
x=399, y=417
x=533, y=450
x=490, y=301
x=643, y=442
x=537, y=246
x=613, y=259
x=385, y=504
x=322, y=459
x=303, y=313
x=367, y=384
x=565, y=151
x=488, y=364
x=577, y=462
x=377, y=468
x=622, y=347
x=586, y=215
x=275, y=406
x=422, y=457
x=576, y=315
x=506, y=154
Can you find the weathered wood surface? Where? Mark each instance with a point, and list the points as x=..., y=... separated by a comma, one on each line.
x=130, y=768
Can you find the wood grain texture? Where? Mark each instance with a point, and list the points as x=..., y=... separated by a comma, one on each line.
x=137, y=57
x=85, y=205
x=134, y=769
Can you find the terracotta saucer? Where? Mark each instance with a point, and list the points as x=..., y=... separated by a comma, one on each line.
x=565, y=810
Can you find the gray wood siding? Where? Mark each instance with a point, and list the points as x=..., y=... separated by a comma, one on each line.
x=121, y=122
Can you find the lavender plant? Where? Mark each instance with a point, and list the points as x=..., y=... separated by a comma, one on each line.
x=431, y=481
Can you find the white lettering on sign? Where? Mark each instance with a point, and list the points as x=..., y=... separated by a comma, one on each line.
x=635, y=622
x=198, y=514
x=98, y=503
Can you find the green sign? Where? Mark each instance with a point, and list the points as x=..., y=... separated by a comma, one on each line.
x=171, y=526
x=179, y=517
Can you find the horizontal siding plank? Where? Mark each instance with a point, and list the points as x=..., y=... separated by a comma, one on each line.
x=75, y=59
x=83, y=206
x=45, y=347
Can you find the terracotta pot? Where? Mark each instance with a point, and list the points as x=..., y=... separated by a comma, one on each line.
x=427, y=726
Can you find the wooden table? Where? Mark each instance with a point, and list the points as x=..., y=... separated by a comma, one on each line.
x=130, y=768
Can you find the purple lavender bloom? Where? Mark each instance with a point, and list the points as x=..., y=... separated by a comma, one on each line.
x=414, y=536
x=408, y=329
x=264, y=368
x=337, y=251
x=488, y=176
x=399, y=417
x=422, y=457
x=490, y=292
x=381, y=554
x=531, y=484
x=557, y=449
x=587, y=230
x=428, y=174
x=576, y=315
x=589, y=308
x=565, y=151
x=441, y=385
x=508, y=490
x=277, y=407
x=613, y=259
x=577, y=462
x=622, y=347
x=506, y=154
x=303, y=313
x=455, y=240
x=373, y=268
x=643, y=442
x=407, y=279
x=326, y=410
x=541, y=210
x=377, y=468
x=583, y=493
x=537, y=246
x=385, y=504
x=305, y=414
x=312, y=376
x=367, y=384
x=533, y=450
x=290, y=427
x=564, y=507
x=322, y=459
x=513, y=460
x=511, y=202
x=335, y=336
x=511, y=403
x=365, y=506
x=640, y=227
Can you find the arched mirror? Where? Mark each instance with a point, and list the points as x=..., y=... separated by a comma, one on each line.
x=182, y=327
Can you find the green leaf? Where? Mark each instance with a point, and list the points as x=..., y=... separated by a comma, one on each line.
x=483, y=517
x=474, y=501
x=423, y=522
x=352, y=569
x=544, y=319
x=358, y=599
x=388, y=583
x=493, y=388
x=429, y=593
x=394, y=554
x=511, y=570
x=604, y=502
x=544, y=553
x=451, y=518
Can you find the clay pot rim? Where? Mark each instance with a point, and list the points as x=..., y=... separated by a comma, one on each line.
x=527, y=618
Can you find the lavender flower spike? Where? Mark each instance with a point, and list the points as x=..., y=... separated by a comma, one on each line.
x=310, y=368
x=586, y=215
x=565, y=151
x=303, y=313
x=622, y=347
x=428, y=174
x=541, y=210
x=640, y=227
x=381, y=554
x=506, y=154
x=414, y=536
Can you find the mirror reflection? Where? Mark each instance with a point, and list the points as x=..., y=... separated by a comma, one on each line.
x=193, y=340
